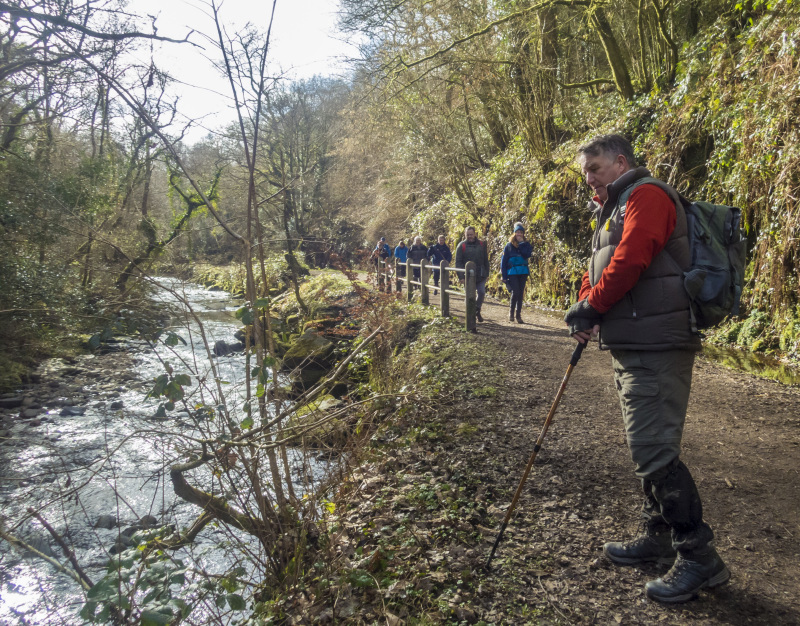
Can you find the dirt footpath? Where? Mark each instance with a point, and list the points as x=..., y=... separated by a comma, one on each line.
x=741, y=442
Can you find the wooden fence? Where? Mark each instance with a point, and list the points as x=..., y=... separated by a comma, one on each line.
x=387, y=273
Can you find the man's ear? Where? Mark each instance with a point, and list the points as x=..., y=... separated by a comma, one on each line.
x=622, y=162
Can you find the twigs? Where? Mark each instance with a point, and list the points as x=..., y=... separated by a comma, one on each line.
x=64, y=547
x=23, y=545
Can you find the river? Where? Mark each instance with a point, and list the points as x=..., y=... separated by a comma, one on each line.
x=112, y=461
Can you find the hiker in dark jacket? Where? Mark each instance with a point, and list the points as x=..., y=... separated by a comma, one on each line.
x=514, y=267
x=633, y=295
x=381, y=251
x=473, y=249
x=417, y=253
x=437, y=253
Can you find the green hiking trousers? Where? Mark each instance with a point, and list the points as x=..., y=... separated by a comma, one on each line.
x=653, y=390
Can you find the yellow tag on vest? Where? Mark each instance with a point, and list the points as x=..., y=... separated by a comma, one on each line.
x=608, y=224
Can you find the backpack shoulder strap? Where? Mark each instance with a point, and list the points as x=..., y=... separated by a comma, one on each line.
x=677, y=198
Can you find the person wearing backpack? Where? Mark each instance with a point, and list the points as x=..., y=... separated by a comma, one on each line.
x=437, y=253
x=417, y=252
x=473, y=249
x=401, y=254
x=383, y=252
x=633, y=295
x=514, y=268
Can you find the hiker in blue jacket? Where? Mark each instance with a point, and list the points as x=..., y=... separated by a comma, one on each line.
x=437, y=253
x=514, y=266
x=401, y=254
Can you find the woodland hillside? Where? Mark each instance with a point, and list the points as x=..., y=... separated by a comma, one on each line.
x=456, y=113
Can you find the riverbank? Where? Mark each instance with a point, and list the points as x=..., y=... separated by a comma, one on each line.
x=414, y=524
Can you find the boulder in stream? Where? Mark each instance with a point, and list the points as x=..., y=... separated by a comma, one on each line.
x=221, y=348
x=72, y=411
x=106, y=521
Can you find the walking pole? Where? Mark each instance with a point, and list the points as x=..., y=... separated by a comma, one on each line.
x=576, y=355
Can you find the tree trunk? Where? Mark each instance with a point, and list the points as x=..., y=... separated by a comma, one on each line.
x=616, y=60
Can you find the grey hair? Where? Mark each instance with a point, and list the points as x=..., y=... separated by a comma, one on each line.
x=472, y=228
x=612, y=145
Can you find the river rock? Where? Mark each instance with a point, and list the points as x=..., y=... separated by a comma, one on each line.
x=106, y=521
x=148, y=521
x=122, y=542
x=221, y=348
x=308, y=348
x=127, y=533
x=72, y=411
x=28, y=414
x=11, y=402
x=117, y=405
x=40, y=544
x=306, y=378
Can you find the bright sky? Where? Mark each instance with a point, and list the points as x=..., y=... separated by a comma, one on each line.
x=303, y=43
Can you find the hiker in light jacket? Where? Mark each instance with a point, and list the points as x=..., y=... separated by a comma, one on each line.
x=437, y=253
x=633, y=295
x=473, y=249
x=514, y=267
x=417, y=253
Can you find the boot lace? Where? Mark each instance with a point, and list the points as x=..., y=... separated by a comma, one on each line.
x=677, y=570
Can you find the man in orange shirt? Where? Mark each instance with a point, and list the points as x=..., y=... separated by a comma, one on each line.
x=633, y=297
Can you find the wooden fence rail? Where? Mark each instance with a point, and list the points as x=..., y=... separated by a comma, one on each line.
x=387, y=270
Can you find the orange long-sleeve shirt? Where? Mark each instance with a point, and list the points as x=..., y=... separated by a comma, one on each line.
x=649, y=221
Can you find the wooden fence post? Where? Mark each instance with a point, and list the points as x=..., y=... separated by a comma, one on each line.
x=444, y=284
x=472, y=297
x=381, y=275
x=397, y=282
x=410, y=290
x=424, y=273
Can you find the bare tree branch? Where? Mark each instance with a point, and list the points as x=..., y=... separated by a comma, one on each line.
x=57, y=20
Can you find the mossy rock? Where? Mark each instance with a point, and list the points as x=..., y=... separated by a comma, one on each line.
x=332, y=433
x=293, y=321
x=307, y=377
x=309, y=349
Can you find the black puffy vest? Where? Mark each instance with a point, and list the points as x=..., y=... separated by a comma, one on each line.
x=655, y=313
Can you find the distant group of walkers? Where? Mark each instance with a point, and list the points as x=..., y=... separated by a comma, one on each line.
x=513, y=265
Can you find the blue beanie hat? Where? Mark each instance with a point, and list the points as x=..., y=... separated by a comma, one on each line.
x=519, y=226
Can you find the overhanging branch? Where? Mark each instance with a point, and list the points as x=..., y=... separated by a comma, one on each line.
x=57, y=20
